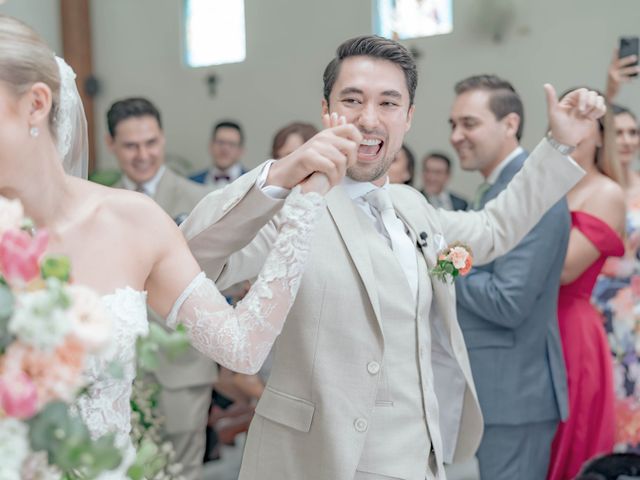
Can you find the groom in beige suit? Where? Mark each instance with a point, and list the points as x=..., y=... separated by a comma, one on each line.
x=136, y=139
x=371, y=378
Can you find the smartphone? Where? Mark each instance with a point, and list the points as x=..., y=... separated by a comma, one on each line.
x=629, y=46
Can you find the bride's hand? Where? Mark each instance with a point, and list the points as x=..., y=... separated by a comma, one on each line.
x=317, y=182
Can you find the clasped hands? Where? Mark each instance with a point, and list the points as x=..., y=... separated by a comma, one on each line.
x=321, y=162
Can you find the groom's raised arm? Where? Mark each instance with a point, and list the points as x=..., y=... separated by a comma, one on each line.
x=228, y=220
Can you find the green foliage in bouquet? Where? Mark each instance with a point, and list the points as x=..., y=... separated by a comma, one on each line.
x=6, y=310
x=154, y=460
x=68, y=443
x=172, y=344
x=56, y=266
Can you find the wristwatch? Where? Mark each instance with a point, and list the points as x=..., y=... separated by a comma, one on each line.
x=560, y=147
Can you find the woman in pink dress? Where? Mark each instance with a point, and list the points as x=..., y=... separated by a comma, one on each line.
x=598, y=219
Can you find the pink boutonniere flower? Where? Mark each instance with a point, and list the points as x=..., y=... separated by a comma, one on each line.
x=453, y=261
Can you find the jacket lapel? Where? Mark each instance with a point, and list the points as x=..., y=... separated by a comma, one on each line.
x=504, y=178
x=419, y=222
x=164, y=190
x=344, y=216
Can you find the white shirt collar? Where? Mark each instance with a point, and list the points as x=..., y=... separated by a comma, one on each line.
x=150, y=186
x=493, y=176
x=356, y=189
x=443, y=196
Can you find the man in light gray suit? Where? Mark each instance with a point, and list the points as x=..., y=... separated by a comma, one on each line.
x=136, y=139
x=371, y=378
x=507, y=309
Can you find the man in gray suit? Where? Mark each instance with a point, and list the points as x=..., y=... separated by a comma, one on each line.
x=136, y=139
x=507, y=308
x=371, y=378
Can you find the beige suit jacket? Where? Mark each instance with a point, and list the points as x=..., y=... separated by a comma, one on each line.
x=177, y=196
x=320, y=385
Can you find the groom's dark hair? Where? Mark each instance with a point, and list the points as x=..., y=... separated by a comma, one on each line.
x=375, y=47
x=130, y=107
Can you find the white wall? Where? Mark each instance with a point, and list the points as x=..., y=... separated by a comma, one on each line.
x=138, y=52
x=43, y=15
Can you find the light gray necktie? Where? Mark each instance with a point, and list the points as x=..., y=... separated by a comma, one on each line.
x=401, y=244
x=477, y=198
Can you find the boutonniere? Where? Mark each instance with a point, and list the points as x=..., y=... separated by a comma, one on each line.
x=454, y=260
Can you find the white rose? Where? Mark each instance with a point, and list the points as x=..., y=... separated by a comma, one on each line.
x=14, y=447
x=458, y=256
x=91, y=323
x=11, y=214
x=38, y=321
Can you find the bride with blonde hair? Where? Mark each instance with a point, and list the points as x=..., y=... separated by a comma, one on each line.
x=122, y=244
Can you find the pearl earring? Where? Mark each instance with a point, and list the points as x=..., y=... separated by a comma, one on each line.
x=34, y=132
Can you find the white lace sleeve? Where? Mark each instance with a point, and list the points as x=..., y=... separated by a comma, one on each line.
x=240, y=338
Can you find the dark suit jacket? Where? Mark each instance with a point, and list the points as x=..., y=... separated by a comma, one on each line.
x=458, y=203
x=508, y=313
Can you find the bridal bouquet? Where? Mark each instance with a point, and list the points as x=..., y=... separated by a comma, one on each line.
x=48, y=330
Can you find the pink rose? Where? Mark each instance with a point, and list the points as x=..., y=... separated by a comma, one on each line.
x=458, y=256
x=18, y=395
x=20, y=254
x=56, y=375
x=467, y=266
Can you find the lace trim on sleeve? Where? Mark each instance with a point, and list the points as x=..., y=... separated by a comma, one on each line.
x=241, y=338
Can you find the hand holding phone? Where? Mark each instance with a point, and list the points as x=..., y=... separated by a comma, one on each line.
x=623, y=67
x=629, y=47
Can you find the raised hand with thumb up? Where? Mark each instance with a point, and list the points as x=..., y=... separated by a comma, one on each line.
x=571, y=117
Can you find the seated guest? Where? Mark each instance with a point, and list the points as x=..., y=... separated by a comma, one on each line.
x=225, y=148
x=436, y=173
x=136, y=139
x=403, y=166
x=290, y=137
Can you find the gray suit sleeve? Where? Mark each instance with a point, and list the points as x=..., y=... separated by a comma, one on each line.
x=506, y=296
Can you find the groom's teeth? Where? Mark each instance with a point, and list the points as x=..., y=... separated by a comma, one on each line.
x=370, y=142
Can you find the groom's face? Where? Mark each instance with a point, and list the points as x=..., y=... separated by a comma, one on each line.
x=372, y=94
